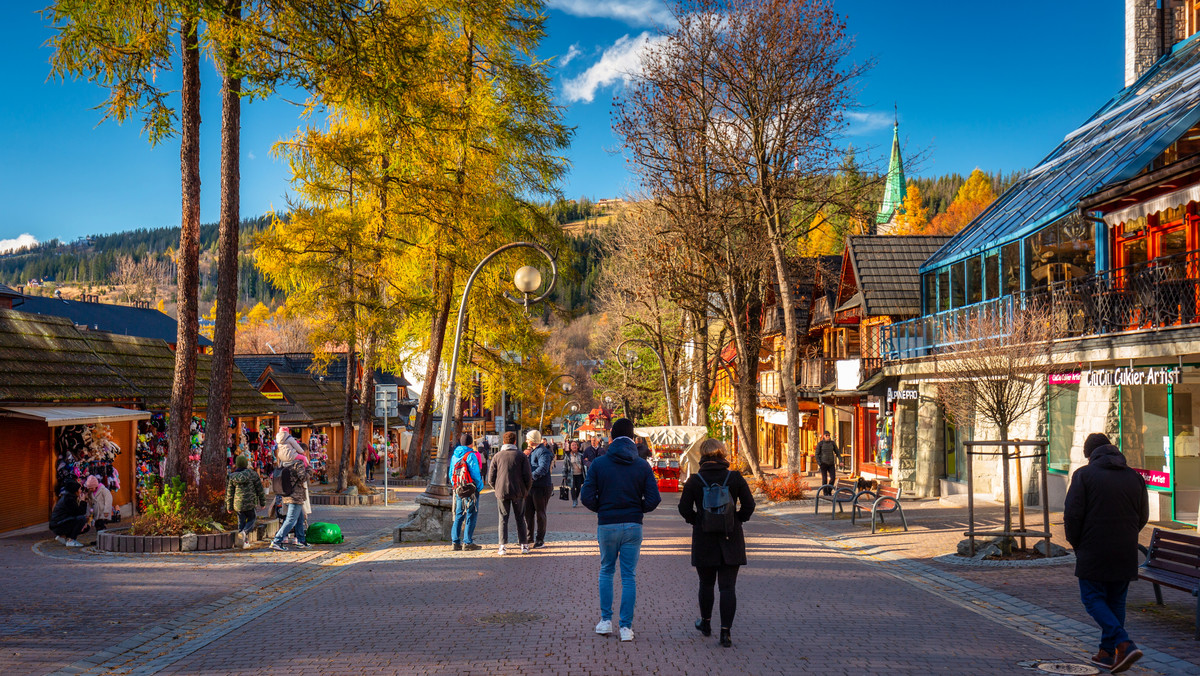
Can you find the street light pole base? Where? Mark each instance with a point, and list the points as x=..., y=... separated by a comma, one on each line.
x=430, y=523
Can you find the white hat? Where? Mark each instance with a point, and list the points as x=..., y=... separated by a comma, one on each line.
x=533, y=437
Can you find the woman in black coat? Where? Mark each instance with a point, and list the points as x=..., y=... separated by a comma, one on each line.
x=716, y=556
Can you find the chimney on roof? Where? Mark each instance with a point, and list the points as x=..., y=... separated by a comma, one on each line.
x=1152, y=27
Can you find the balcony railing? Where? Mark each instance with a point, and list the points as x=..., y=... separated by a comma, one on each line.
x=1161, y=293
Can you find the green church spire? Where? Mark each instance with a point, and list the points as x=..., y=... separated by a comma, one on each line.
x=895, y=189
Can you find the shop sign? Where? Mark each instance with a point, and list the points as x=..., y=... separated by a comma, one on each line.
x=1155, y=479
x=899, y=395
x=1064, y=378
x=273, y=395
x=1132, y=376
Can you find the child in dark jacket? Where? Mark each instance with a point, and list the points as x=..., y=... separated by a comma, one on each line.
x=69, y=517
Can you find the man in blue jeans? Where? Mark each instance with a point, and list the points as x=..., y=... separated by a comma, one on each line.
x=620, y=488
x=1106, y=507
x=466, y=502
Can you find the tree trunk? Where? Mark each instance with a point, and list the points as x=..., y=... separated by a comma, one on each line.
x=747, y=336
x=366, y=395
x=787, y=370
x=701, y=392
x=418, y=459
x=183, y=388
x=213, y=460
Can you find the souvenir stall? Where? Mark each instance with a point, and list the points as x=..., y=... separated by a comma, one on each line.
x=318, y=455
x=150, y=455
x=86, y=450
x=672, y=448
x=678, y=446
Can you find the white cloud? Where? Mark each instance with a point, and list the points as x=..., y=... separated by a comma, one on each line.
x=250, y=156
x=866, y=122
x=619, y=62
x=632, y=12
x=21, y=242
x=570, y=55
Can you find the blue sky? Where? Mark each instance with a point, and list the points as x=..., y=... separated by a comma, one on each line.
x=991, y=85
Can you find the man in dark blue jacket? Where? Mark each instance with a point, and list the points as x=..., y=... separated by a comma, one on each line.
x=620, y=488
x=1106, y=507
x=541, y=459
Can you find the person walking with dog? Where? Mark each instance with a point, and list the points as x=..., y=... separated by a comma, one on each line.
x=510, y=475
x=466, y=481
x=620, y=489
x=827, y=459
x=716, y=501
x=1105, y=509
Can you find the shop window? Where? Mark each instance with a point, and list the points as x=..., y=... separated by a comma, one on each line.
x=929, y=283
x=1189, y=143
x=1010, y=265
x=991, y=275
x=975, y=279
x=1059, y=252
x=943, y=290
x=1060, y=423
x=958, y=274
x=955, y=452
x=1186, y=463
x=1145, y=437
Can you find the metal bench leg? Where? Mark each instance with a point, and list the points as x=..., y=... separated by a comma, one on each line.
x=1197, y=636
x=902, y=519
x=1157, y=594
x=873, y=515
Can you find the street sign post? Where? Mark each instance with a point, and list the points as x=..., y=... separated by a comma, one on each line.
x=387, y=404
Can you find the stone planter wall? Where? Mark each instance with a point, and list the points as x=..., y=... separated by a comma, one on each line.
x=119, y=540
x=345, y=500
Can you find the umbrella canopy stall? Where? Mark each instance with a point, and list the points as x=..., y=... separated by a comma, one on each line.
x=676, y=451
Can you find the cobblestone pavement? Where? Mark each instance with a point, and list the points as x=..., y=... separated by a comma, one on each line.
x=818, y=597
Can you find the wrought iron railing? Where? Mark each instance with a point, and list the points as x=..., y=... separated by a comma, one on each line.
x=1161, y=293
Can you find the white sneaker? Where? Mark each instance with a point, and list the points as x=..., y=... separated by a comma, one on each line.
x=500, y=551
x=604, y=627
x=61, y=539
x=246, y=544
x=75, y=543
x=626, y=634
x=524, y=549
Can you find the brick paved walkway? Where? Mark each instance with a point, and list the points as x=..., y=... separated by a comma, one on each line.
x=806, y=605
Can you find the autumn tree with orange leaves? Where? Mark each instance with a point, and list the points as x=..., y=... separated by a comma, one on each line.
x=973, y=197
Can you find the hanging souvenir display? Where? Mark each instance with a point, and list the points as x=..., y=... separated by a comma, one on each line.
x=87, y=450
x=264, y=456
x=150, y=457
x=318, y=456
x=196, y=432
x=239, y=443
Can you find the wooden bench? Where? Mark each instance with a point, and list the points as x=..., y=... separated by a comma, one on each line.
x=844, y=491
x=884, y=501
x=1173, y=560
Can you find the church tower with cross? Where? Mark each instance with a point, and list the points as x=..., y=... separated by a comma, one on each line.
x=895, y=189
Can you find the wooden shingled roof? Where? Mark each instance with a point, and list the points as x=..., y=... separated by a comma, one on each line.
x=885, y=267
x=311, y=401
x=45, y=359
x=148, y=364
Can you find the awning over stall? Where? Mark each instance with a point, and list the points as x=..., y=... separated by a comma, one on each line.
x=58, y=416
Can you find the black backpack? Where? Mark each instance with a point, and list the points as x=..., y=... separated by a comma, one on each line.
x=716, y=507
x=283, y=481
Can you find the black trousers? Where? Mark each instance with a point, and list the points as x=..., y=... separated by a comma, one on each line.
x=828, y=476
x=516, y=508
x=535, y=509
x=725, y=577
x=70, y=528
x=576, y=486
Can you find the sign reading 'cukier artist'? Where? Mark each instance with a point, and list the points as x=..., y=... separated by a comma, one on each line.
x=1132, y=376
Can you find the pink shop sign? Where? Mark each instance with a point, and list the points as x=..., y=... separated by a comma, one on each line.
x=1155, y=479
x=1064, y=378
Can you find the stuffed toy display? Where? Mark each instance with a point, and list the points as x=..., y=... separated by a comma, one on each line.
x=263, y=459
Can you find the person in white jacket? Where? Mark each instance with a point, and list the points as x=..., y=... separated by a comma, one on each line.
x=100, y=501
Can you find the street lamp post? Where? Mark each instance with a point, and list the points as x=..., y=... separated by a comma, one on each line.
x=574, y=406
x=662, y=367
x=566, y=387
x=611, y=398
x=431, y=521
